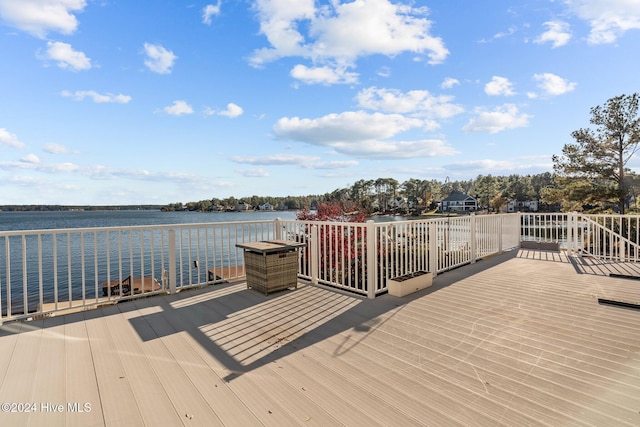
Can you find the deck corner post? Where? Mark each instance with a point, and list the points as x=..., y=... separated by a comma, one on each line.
x=372, y=250
x=314, y=254
x=172, y=262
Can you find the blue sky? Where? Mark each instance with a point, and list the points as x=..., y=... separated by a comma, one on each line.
x=154, y=101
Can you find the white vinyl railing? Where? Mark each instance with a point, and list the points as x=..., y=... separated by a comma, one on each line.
x=360, y=257
x=46, y=271
x=609, y=237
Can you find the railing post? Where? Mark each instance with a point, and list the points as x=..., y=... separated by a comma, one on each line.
x=433, y=247
x=472, y=236
x=314, y=254
x=571, y=235
x=500, y=232
x=621, y=241
x=520, y=224
x=173, y=277
x=372, y=250
x=278, y=225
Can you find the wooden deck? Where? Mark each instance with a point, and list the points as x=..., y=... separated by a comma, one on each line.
x=514, y=340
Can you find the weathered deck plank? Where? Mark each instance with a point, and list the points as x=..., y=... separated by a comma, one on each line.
x=518, y=339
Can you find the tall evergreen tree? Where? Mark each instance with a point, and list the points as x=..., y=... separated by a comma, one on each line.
x=592, y=170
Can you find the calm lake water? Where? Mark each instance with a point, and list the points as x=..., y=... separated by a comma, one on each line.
x=86, y=219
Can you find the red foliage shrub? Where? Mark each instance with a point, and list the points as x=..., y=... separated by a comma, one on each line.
x=342, y=248
x=332, y=211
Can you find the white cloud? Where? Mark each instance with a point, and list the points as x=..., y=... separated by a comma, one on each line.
x=334, y=164
x=253, y=173
x=498, y=120
x=499, y=86
x=307, y=162
x=30, y=158
x=361, y=134
x=449, y=82
x=552, y=84
x=178, y=108
x=350, y=125
x=557, y=34
x=159, y=60
x=209, y=11
x=388, y=150
x=276, y=159
x=66, y=57
x=97, y=97
x=532, y=164
x=609, y=19
x=232, y=111
x=340, y=33
x=511, y=31
x=483, y=165
x=323, y=75
x=419, y=102
x=38, y=17
x=9, y=139
x=384, y=72
x=56, y=148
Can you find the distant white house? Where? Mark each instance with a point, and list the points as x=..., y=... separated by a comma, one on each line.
x=401, y=203
x=458, y=202
x=265, y=207
x=522, y=206
x=242, y=206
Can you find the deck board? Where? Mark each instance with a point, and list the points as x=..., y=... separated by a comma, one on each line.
x=50, y=376
x=19, y=382
x=518, y=339
x=80, y=381
x=117, y=400
x=154, y=404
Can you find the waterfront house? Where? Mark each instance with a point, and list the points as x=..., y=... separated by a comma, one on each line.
x=458, y=201
x=243, y=206
x=522, y=206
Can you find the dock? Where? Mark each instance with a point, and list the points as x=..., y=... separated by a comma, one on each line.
x=227, y=273
x=137, y=284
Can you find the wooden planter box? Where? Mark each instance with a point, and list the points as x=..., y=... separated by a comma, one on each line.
x=407, y=284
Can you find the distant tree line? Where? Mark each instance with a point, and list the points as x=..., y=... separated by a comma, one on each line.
x=387, y=195
x=52, y=208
